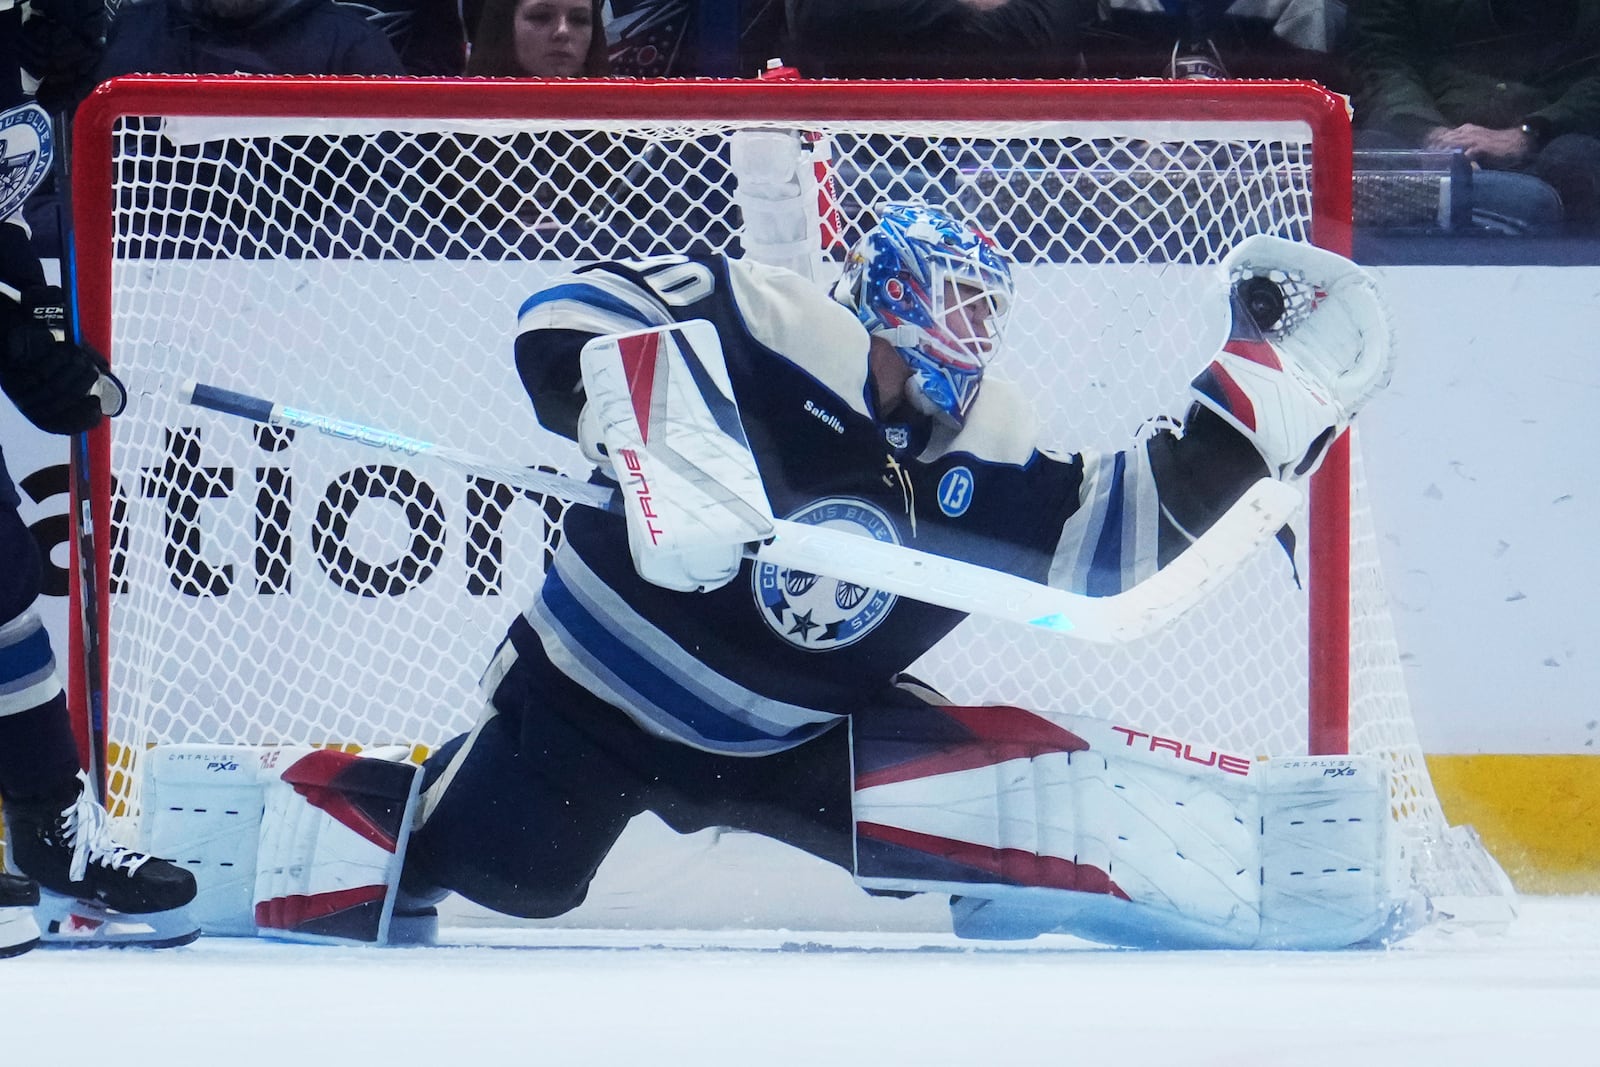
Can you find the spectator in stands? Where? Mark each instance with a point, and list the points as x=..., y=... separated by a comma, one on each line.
x=693, y=38
x=937, y=38
x=540, y=39
x=1514, y=84
x=244, y=37
x=1216, y=39
x=430, y=36
x=249, y=37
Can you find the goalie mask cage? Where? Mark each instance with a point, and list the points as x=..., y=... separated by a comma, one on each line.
x=361, y=247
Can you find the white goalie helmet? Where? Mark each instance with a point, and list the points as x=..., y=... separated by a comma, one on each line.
x=939, y=290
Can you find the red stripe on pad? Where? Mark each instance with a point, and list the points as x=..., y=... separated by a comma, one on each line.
x=639, y=367
x=292, y=912
x=1234, y=398
x=1002, y=722
x=999, y=734
x=1255, y=351
x=313, y=777
x=1014, y=865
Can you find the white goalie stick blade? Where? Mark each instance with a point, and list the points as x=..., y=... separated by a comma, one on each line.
x=1251, y=522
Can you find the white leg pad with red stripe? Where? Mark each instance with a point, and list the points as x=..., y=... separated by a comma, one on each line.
x=1036, y=825
x=296, y=843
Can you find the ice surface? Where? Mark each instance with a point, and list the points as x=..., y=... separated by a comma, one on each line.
x=1527, y=996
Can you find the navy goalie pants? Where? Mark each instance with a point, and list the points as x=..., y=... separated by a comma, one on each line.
x=521, y=811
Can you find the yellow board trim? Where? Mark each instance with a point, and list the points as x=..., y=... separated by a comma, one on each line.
x=1538, y=815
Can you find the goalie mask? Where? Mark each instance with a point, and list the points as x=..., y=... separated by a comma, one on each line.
x=939, y=291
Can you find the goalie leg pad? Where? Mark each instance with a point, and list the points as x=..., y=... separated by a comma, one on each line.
x=1036, y=825
x=296, y=843
x=1329, y=855
x=202, y=808
x=333, y=835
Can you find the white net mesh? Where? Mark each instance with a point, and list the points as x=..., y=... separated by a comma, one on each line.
x=275, y=587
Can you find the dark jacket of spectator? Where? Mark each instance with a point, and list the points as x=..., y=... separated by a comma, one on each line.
x=937, y=38
x=1422, y=64
x=245, y=37
x=429, y=35
x=1243, y=39
x=58, y=43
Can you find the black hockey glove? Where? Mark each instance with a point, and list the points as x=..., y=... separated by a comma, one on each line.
x=56, y=384
x=61, y=44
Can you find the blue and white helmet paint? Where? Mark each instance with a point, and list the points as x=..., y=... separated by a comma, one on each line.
x=938, y=290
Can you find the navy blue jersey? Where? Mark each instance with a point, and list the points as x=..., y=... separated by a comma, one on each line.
x=769, y=659
x=10, y=56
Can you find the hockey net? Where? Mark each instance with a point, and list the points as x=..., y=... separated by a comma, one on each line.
x=361, y=248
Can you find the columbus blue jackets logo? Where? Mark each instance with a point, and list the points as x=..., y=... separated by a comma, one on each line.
x=25, y=149
x=815, y=612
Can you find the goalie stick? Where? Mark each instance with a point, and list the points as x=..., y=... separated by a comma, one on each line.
x=1253, y=520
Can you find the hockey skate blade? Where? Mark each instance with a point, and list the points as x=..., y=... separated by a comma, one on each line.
x=19, y=931
x=72, y=923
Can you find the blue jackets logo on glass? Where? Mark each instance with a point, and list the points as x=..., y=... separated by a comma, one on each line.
x=818, y=613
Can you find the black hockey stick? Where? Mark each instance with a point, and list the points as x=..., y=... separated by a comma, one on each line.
x=80, y=463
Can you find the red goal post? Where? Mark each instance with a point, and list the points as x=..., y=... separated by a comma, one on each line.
x=272, y=232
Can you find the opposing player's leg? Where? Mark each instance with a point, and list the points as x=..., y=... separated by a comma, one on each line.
x=93, y=889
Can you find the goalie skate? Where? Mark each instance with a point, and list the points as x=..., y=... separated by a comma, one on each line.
x=92, y=890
